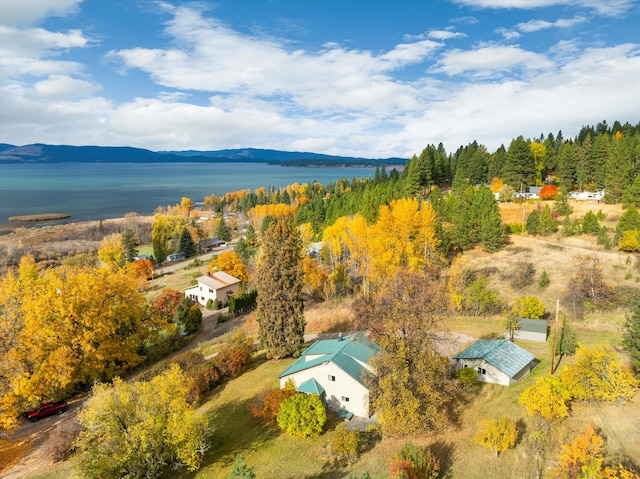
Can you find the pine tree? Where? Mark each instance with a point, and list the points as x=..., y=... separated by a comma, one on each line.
x=491, y=228
x=130, y=245
x=222, y=231
x=547, y=224
x=533, y=222
x=630, y=220
x=562, y=206
x=618, y=169
x=519, y=167
x=631, y=195
x=186, y=244
x=631, y=337
x=280, y=311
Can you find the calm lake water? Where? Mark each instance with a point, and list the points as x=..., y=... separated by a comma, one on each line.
x=89, y=191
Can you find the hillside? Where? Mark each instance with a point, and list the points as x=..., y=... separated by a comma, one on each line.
x=40, y=153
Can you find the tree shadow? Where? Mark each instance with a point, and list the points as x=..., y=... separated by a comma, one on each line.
x=443, y=451
x=329, y=471
x=521, y=430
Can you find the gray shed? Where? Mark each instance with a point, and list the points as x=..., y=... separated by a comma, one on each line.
x=531, y=330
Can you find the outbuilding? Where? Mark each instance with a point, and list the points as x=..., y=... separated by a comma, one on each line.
x=497, y=361
x=530, y=330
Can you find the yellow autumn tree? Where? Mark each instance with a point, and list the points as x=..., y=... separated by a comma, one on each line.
x=230, y=263
x=404, y=237
x=539, y=151
x=597, y=375
x=112, y=251
x=548, y=398
x=498, y=434
x=77, y=325
x=496, y=185
x=582, y=458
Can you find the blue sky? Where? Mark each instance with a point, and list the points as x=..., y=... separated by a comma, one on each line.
x=366, y=78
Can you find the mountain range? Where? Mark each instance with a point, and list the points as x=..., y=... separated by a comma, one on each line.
x=41, y=153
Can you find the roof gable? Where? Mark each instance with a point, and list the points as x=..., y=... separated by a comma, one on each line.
x=500, y=353
x=218, y=280
x=351, y=354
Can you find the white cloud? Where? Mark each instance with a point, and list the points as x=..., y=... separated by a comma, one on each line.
x=28, y=12
x=444, y=34
x=607, y=8
x=210, y=57
x=491, y=59
x=536, y=25
x=64, y=87
x=508, y=34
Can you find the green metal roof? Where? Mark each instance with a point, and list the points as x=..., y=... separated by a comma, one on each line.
x=347, y=353
x=500, y=353
x=311, y=386
x=533, y=325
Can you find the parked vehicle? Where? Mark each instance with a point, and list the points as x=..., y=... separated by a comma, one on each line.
x=176, y=257
x=47, y=409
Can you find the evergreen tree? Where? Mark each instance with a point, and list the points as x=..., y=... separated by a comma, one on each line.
x=130, y=245
x=222, y=231
x=186, y=244
x=241, y=470
x=547, y=224
x=632, y=194
x=618, y=169
x=491, y=228
x=566, y=171
x=630, y=220
x=519, y=166
x=280, y=309
x=562, y=206
x=533, y=222
x=193, y=321
x=600, y=153
x=566, y=342
x=631, y=336
x=590, y=224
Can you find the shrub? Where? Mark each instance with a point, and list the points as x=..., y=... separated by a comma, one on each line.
x=61, y=444
x=235, y=356
x=302, y=415
x=268, y=406
x=345, y=444
x=193, y=321
x=467, y=376
x=544, y=281
x=413, y=462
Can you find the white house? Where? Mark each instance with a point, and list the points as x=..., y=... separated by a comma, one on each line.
x=496, y=361
x=336, y=370
x=217, y=286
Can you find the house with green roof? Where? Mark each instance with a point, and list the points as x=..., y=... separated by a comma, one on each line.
x=496, y=361
x=337, y=370
x=530, y=330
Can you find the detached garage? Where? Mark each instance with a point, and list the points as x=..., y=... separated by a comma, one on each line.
x=497, y=361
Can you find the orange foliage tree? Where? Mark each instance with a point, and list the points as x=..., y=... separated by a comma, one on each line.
x=549, y=192
x=230, y=263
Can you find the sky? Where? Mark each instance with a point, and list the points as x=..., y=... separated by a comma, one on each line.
x=367, y=78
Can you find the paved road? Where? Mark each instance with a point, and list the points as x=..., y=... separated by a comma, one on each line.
x=167, y=267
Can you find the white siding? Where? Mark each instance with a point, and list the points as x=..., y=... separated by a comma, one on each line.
x=491, y=374
x=344, y=386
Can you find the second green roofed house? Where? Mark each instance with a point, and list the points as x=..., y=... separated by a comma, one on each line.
x=337, y=370
x=496, y=361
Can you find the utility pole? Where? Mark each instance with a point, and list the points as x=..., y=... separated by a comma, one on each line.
x=555, y=335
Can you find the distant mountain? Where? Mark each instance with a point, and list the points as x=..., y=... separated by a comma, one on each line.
x=40, y=153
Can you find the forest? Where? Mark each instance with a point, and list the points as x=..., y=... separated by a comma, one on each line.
x=443, y=246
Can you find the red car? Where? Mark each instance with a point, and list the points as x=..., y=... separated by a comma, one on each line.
x=46, y=409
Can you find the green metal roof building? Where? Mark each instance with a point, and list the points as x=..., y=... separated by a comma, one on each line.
x=496, y=361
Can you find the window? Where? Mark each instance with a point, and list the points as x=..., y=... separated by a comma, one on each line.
x=331, y=378
x=482, y=371
x=344, y=399
x=210, y=290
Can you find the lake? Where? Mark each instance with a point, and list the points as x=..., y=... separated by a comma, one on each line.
x=91, y=191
